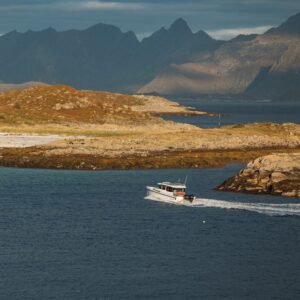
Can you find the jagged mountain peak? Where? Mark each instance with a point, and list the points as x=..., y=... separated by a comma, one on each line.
x=290, y=26
x=201, y=34
x=105, y=57
x=49, y=29
x=100, y=27
x=12, y=33
x=179, y=30
x=244, y=37
x=180, y=25
x=108, y=31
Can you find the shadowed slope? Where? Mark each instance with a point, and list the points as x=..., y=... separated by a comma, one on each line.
x=262, y=66
x=101, y=57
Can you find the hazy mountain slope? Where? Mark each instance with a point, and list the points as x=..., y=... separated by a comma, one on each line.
x=291, y=26
x=280, y=80
x=89, y=58
x=232, y=68
x=263, y=66
x=100, y=57
x=6, y=87
x=172, y=61
x=175, y=45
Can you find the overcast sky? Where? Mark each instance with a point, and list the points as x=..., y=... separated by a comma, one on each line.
x=221, y=18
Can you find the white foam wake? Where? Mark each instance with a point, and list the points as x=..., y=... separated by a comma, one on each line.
x=262, y=208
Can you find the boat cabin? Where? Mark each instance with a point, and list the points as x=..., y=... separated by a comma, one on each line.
x=172, y=187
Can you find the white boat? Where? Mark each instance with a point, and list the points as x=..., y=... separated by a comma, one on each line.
x=169, y=192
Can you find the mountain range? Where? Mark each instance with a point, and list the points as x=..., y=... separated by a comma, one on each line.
x=173, y=61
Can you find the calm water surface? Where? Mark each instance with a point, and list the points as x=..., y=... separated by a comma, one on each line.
x=233, y=113
x=92, y=235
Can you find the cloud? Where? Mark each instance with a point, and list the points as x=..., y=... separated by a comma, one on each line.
x=100, y=5
x=142, y=35
x=168, y=6
x=130, y=6
x=92, y=5
x=227, y=34
x=73, y=6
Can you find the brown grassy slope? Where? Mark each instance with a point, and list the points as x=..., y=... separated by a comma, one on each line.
x=62, y=104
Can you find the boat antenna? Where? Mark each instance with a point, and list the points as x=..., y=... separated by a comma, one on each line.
x=186, y=178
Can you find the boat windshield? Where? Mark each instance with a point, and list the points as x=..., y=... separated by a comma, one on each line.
x=171, y=189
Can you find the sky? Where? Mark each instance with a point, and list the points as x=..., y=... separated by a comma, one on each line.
x=223, y=19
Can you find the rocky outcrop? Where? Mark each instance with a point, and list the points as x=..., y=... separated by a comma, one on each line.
x=161, y=106
x=276, y=174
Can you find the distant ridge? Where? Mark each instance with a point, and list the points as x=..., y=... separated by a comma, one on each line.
x=7, y=87
x=99, y=57
x=291, y=26
x=263, y=66
x=172, y=61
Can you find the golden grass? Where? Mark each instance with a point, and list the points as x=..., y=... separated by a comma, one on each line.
x=61, y=104
x=64, y=131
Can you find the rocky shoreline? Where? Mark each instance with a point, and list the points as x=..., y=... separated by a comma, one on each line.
x=36, y=157
x=275, y=174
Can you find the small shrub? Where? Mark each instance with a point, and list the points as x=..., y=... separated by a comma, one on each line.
x=17, y=105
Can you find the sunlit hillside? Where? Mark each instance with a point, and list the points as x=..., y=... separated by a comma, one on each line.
x=63, y=104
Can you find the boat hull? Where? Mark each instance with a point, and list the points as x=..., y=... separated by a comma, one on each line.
x=156, y=195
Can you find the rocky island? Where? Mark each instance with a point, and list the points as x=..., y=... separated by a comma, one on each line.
x=276, y=174
x=64, y=128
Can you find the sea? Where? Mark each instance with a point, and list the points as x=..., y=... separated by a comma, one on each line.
x=93, y=235
x=228, y=113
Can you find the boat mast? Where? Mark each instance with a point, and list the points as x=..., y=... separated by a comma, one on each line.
x=185, y=181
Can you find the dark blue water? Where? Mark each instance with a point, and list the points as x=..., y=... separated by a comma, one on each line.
x=92, y=235
x=233, y=113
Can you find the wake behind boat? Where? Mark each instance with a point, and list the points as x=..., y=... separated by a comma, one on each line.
x=170, y=192
x=175, y=193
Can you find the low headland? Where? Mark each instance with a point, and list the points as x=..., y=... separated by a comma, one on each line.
x=63, y=128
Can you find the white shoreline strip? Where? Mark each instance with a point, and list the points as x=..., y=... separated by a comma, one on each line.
x=23, y=141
